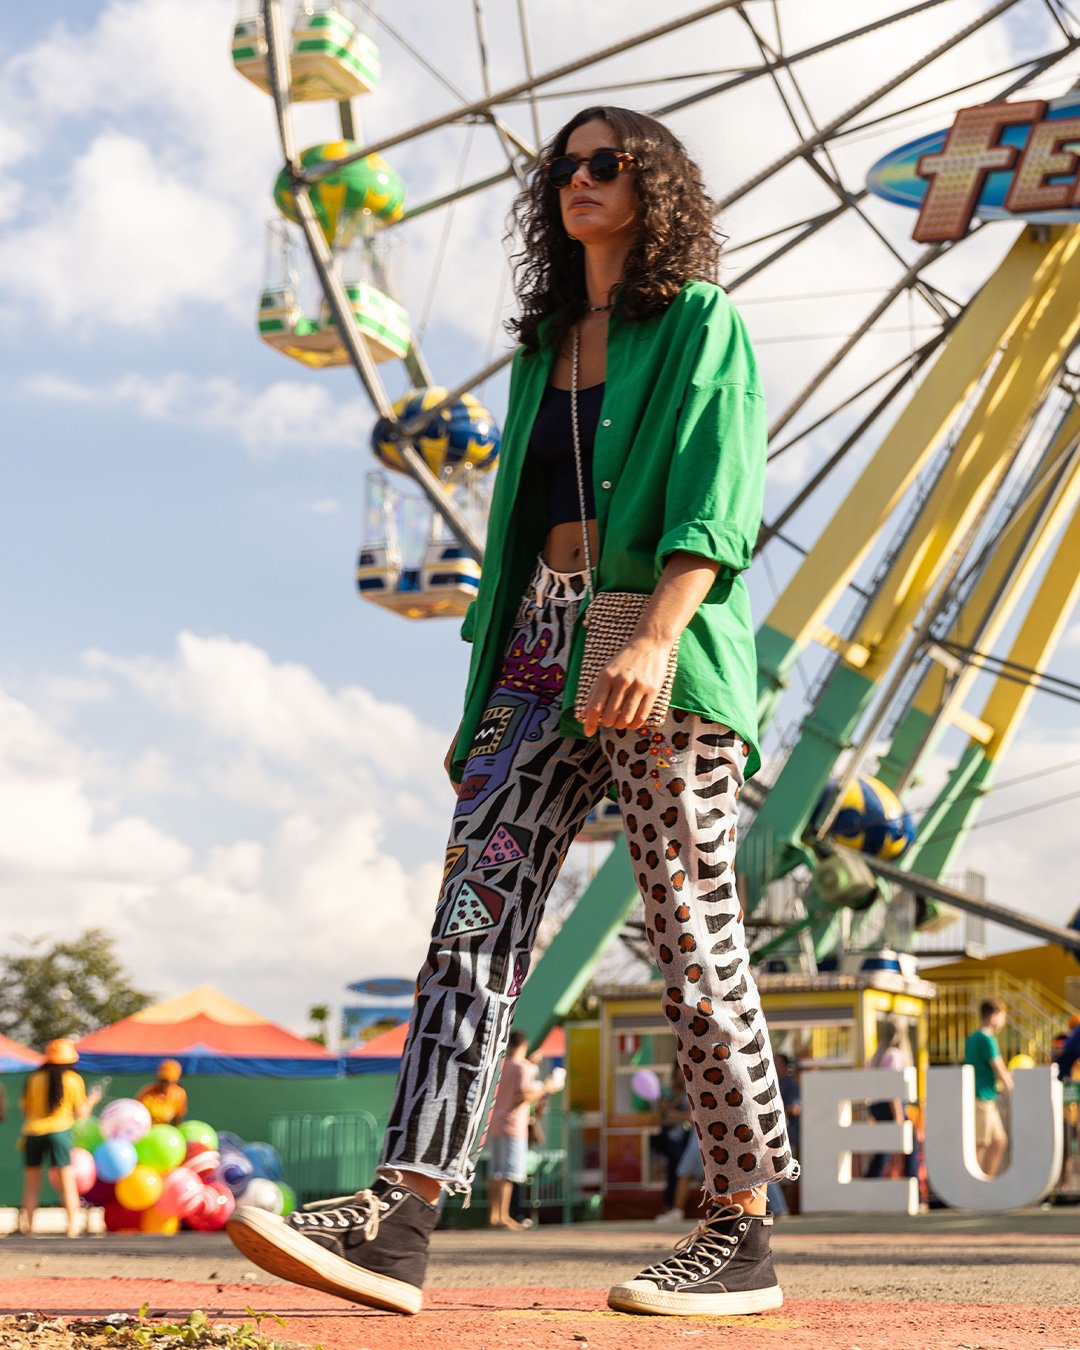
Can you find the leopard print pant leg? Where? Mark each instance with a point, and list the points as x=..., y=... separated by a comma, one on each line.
x=678, y=788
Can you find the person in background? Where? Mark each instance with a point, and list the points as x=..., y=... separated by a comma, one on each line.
x=53, y=1099
x=672, y=1141
x=537, y=1138
x=891, y=1053
x=164, y=1098
x=784, y=1195
x=983, y=1053
x=1067, y=1055
x=519, y=1087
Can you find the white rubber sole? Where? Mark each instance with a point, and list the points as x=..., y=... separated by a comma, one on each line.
x=282, y=1251
x=642, y=1296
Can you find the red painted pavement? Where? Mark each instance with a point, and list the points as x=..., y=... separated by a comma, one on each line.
x=546, y=1319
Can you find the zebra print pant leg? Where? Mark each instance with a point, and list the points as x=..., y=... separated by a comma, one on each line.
x=679, y=788
x=525, y=793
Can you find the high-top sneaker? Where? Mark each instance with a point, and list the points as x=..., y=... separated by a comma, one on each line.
x=371, y=1247
x=723, y=1267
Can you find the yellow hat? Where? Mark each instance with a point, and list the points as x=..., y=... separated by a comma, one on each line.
x=169, y=1071
x=61, y=1051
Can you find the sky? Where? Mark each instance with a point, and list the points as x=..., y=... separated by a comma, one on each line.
x=209, y=745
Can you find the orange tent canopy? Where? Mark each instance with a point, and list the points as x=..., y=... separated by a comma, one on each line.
x=14, y=1058
x=208, y=1033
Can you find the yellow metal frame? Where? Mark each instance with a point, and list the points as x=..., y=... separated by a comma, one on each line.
x=1008, y=306
x=1004, y=583
x=1018, y=385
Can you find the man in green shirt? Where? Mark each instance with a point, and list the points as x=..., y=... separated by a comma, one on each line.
x=984, y=1055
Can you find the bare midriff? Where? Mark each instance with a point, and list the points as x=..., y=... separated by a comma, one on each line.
x=563, y=547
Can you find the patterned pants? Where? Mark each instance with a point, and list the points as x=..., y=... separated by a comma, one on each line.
x=524, y=797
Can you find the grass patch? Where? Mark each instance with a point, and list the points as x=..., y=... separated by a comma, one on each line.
x=122, y=1331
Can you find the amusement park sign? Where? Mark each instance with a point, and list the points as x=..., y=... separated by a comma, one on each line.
x=999, y=161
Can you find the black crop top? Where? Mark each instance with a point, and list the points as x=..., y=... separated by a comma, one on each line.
x=551, y=452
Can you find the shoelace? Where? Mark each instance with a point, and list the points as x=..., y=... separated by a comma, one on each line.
x=362, y=1210
x=706, y=1240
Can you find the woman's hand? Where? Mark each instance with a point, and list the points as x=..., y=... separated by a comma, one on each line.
x=626, y=689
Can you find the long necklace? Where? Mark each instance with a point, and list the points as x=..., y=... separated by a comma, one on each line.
x=599, y=309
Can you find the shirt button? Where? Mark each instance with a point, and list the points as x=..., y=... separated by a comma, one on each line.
x=606, y=484
x=606, y=422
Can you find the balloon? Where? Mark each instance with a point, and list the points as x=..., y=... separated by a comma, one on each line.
x=125, y=1119
x=235, y=1171
x=261, y=1193
x=646, y=1085
x=181, y=1192
x=140, y=1189
x=288, y=1198
x=228, y=1142
x=205, y=1164
x=121, y=1220
x=115, y=1158
x=86, y=1133
x=162, y=1147
x=85, y=1172
x=214, y=1211
x=100, y=1194
x=265, y=1159
x=198, y=1132
x=1021, y=1061
x=153, y=1221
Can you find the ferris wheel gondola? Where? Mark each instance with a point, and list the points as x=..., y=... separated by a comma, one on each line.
x=331, y=55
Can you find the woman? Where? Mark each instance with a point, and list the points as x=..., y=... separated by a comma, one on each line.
x=616, y=295
x=891, y=1054
x=54, y=1098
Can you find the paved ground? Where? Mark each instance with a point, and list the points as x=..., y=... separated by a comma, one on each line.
x=943, y=1280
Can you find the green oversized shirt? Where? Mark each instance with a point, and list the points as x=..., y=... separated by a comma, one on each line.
x=678, y=465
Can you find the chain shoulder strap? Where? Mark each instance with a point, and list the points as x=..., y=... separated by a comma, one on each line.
x=577, y=461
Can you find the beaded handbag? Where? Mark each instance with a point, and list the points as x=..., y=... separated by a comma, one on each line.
x=611, y=616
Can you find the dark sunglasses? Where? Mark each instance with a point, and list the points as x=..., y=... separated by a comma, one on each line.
x=603, y=166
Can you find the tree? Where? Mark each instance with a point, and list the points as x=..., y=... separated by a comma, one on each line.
x=66, y=989
x=320, y=1015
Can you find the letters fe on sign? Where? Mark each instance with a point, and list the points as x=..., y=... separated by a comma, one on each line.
x=999, y=161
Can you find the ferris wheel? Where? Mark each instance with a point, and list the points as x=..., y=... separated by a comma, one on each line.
x=933, y=421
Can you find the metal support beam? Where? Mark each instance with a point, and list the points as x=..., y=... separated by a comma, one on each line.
x=1069, y=938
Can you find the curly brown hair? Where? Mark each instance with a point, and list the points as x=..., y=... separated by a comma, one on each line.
x=679, y=241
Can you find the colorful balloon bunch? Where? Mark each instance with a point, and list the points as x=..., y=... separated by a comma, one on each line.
x=152, y=1178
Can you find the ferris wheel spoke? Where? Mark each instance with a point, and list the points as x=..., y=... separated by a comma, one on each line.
x=482, y=105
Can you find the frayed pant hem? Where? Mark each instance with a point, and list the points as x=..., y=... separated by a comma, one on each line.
x=448, y=1185
x=757, y=1181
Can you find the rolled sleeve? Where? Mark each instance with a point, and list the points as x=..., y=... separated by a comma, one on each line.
x=716, y=482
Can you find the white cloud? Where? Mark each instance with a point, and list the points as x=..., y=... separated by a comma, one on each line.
x=128, y=243
x=288, y=414
x=50, y=826
x=312, y=891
